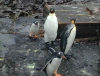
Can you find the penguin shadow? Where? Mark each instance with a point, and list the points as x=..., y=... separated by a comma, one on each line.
x=40, y=73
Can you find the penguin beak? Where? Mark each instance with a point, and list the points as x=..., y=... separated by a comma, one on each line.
x=63, y=57
x=73, y=22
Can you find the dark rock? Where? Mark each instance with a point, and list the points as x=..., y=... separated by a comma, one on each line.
x=7, y=2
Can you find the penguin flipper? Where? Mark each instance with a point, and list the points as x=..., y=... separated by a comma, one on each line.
x=47, y=62
x=51, y=50
x=65, y=28
x=63, y=39
x=63, y=42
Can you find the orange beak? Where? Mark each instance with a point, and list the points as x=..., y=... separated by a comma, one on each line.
x=63, y=57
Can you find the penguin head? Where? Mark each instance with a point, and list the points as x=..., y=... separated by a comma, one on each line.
x=36, y=22
x=52, y=10
x=73, y=21
x=60, y=55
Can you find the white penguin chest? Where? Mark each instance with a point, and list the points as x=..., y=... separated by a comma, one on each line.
x=34, y=29
x=70, y=39
x=53, y=66
x=72, y=35
x=51, y=25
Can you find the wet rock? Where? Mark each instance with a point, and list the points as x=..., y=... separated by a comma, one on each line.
x=33, y=6
x=7, y=39
x=4, y=71
x=7, y=2
x=23, y=62
x=23, y=57
x=5, y=25
x=3, y=49
x=6, y=20
x=1, y=61
x=13, y=61
x=26, y=58
x=25, y=30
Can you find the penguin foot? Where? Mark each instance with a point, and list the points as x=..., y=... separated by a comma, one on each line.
x=32, y=35
x=55, y=74
x=32, y=38
x=35, y=36
x=68, y=57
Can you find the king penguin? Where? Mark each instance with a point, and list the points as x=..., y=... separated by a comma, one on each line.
x=50, y=27
x=67, y=37
x=53, y=63
x=34, y=29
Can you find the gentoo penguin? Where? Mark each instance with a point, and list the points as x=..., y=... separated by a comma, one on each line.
x=67, y=37
x=34, y=29
x=53, y=63
x=50, y=27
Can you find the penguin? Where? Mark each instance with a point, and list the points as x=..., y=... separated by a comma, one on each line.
x=45, y=9
x=50, y=27
x=68, y=37
x=53, y=62
x=34, y=29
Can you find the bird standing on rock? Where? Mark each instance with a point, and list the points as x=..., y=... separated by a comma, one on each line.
x=50, y=27
x=34, y=29
x=53, y=63
x=67, y=37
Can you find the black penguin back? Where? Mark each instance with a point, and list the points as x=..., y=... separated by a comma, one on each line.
x=64, y=36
